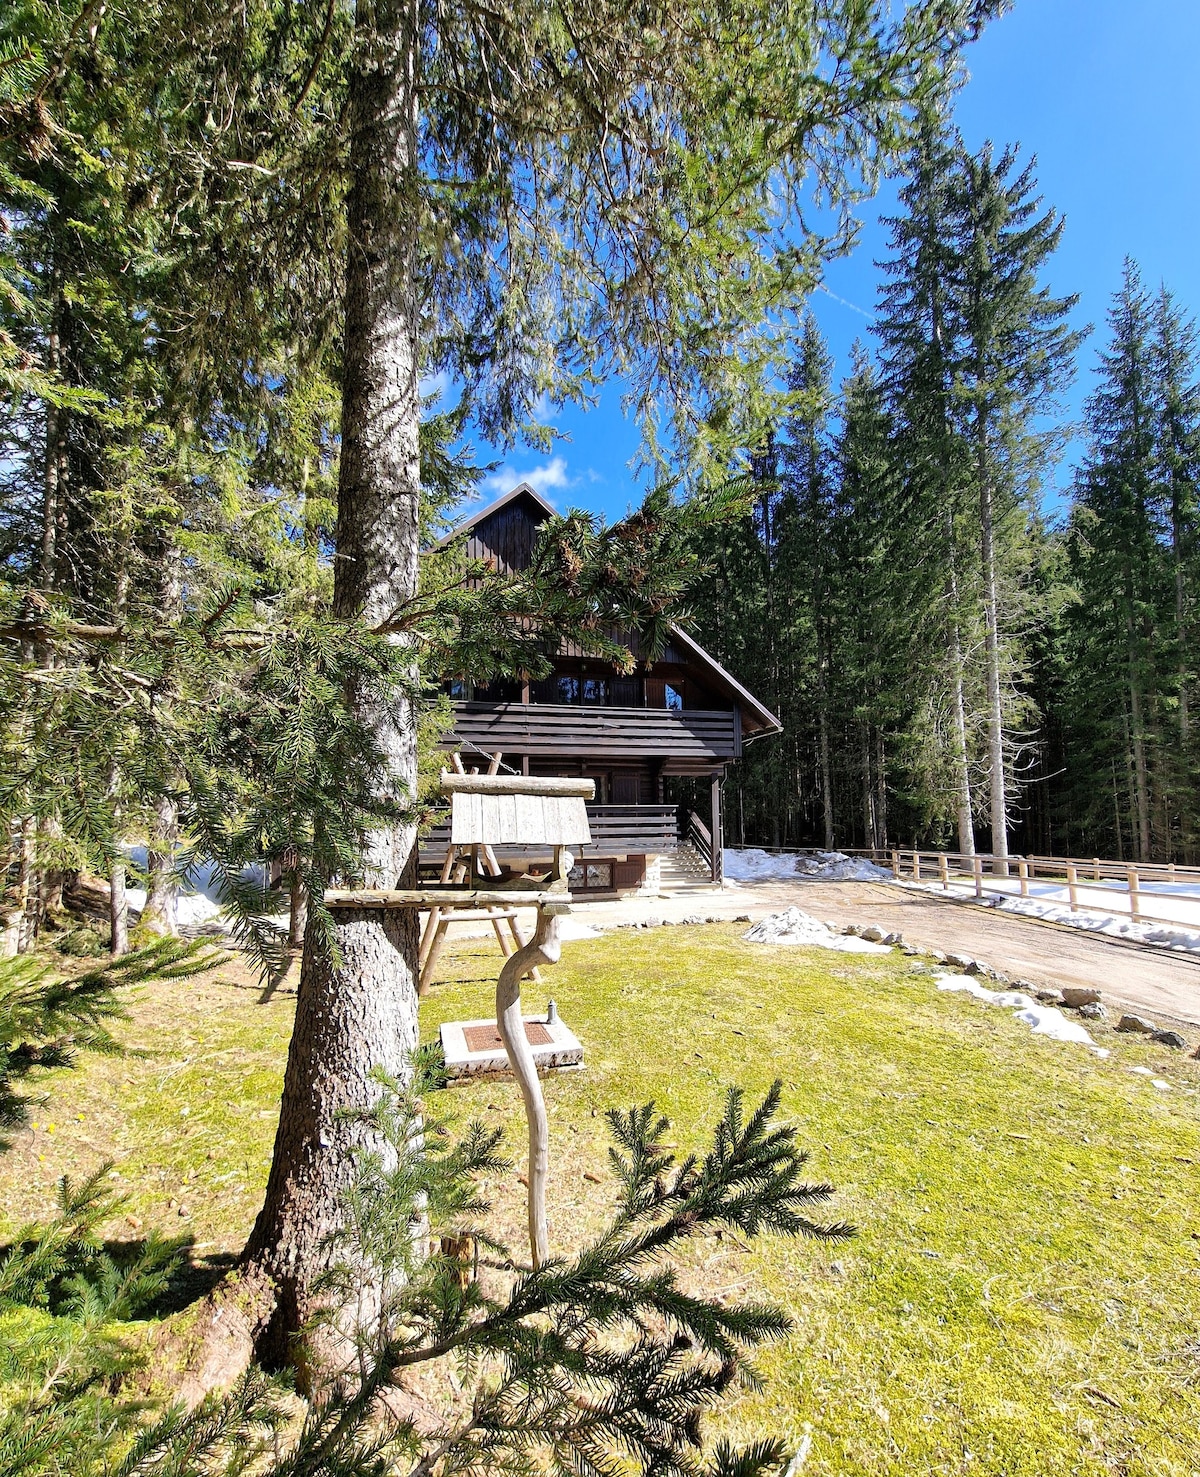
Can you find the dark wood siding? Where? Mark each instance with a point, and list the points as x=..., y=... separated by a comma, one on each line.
x=549, y=731
x=507, y=538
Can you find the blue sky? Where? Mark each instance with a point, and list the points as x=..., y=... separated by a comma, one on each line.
x=1105, y=94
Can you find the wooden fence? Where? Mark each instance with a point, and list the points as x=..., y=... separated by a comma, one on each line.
x=1073, y=873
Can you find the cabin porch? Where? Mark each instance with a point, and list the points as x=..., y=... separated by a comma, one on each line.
x=650, y=848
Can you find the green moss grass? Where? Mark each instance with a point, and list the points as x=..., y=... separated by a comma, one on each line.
x=1023, y=1296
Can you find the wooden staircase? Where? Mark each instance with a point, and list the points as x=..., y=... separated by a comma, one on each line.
x=684, y=870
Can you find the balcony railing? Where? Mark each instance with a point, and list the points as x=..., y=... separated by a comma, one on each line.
x=617, y=830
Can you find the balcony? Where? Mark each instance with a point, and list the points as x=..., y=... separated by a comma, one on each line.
x=686, y=738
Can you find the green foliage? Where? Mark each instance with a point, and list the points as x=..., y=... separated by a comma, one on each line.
x=588, y=1360
x=45, y=1020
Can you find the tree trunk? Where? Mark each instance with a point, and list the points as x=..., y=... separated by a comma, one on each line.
x=297, y=912
x=1141, y=781
x=118, y=911
x=962, y=774
x=999, y=806
x=360, y=1013
x=160, y=913
x=826, y=777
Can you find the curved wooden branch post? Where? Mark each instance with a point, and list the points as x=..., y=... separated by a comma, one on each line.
x=544, y=948
x=492, y=809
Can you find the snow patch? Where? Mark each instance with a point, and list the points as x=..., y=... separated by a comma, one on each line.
x=795, y=927
x=755, y=865
x=836, y=866
x=1042, y=1020
x=571, y=929
x=1105, y=908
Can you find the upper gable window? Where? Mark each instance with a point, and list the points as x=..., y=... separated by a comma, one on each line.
x=674, y=697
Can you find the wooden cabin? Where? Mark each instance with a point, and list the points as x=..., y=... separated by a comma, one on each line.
x=681, y=716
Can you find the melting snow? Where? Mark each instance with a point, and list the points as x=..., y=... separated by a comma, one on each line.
x=1043, y=1020
x=754, y=865
x=1174, y=908
x=794, y=927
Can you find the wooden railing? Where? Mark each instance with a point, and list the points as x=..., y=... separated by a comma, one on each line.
x=623, y=830
x=699, y=837
x=985, y=872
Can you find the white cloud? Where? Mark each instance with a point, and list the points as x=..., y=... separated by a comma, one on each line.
x=551, y=476
x=544, y=411
x=436, y=384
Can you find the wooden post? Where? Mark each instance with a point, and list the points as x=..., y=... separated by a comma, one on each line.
x=716, y=843
x=943, y=871
x=1096, y=868
x=977, y=868
x=545, y=947
x=1023, y=872
x=896, y=865
x=1072, y=886
x=916, y=866
x=1135, y=896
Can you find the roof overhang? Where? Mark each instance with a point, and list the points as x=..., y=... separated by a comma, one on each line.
x=763, y=721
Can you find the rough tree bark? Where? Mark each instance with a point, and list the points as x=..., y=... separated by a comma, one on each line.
x=962, y=775
x=361, y=1012
x=997, y=787
x=160, y=913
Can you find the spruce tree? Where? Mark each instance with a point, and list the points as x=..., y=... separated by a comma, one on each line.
x=1013, y=351
x=917, y=352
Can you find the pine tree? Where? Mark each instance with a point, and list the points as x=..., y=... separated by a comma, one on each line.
x=1120, y=525
x=1013, y=351
x=918, y=355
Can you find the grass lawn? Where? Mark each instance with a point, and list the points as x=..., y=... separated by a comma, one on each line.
x=1023, y=1296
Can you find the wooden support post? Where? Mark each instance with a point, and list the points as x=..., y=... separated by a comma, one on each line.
x=916, y=866
x=977, y=867
x=1135, y=896
x=1072, y=887
x=545, y=947
x=1023, y=872
x=717, y=859
x=943, y=871
x=896, y=865
x=1096, y=869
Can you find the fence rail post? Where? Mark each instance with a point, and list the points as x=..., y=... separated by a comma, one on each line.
x=943, y=871
x=1023, y=873
x=916, y=866
x=1072, y=888
x=1135, y=896
x=977, y=868
x=896, y=865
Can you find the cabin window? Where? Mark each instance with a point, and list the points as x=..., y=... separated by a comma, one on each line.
x=501, y=690
x=595, y=690
x=459, y=689
x=566, y=689
x=591, y=877
x=674, y=697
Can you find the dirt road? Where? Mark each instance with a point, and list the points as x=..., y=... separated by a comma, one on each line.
x=1157, y=982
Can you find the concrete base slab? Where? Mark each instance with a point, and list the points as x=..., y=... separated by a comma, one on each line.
x=474, y=1048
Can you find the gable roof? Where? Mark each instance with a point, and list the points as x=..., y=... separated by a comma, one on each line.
x=521, y=490
x=761, y=720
